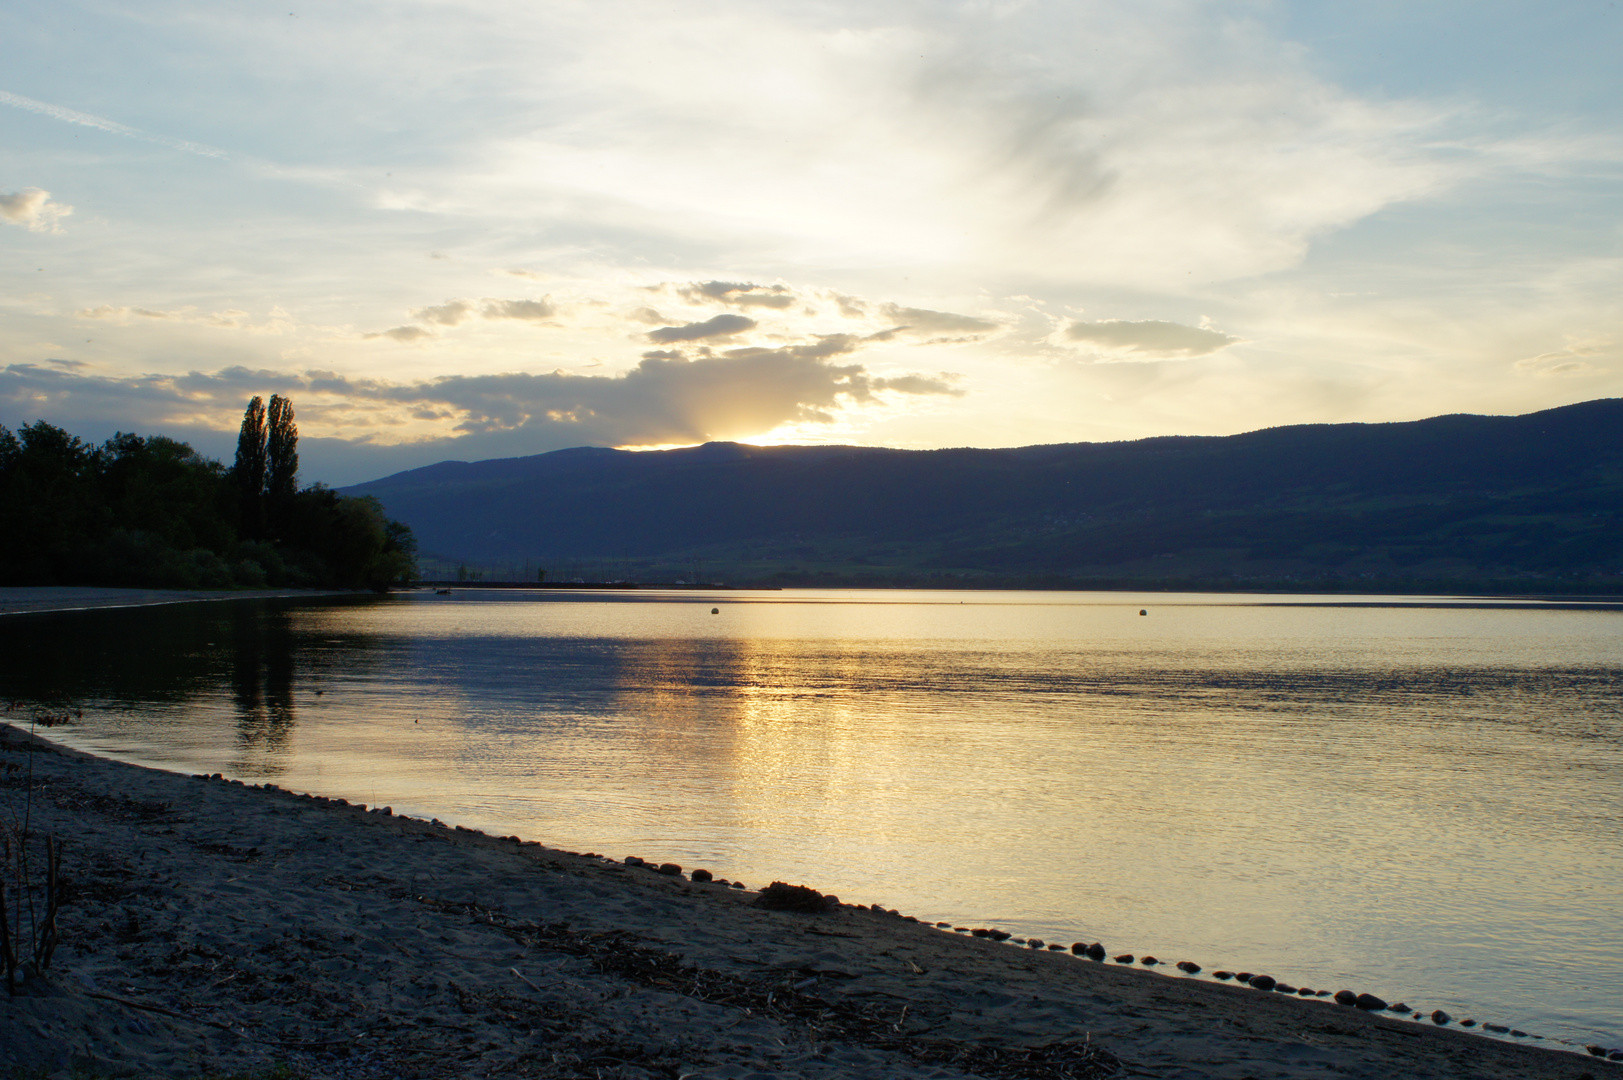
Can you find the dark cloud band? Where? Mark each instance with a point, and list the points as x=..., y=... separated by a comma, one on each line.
x=719, y=326
x=668, y=397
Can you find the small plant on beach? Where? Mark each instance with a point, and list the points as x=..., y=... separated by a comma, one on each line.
x=30, y=882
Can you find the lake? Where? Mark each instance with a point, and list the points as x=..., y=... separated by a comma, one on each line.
x=1422, y=798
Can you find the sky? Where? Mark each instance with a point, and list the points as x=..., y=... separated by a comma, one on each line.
x=459, y=229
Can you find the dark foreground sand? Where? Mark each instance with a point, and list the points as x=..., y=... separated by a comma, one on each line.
x=220, y=929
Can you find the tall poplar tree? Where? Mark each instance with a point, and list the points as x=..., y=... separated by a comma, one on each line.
x=281, y=451
x=248, y=474
x=281, y=465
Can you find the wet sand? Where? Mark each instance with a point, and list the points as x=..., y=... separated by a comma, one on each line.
x=215, y=928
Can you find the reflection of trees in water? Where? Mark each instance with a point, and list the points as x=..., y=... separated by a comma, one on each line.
x=157, y=665
x=262, y=679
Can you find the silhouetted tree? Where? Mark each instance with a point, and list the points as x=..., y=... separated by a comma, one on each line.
x=153, y=512
x=281, y=450
x=248, y=474
x=281, y=465
x=164, y=488
x=356, y=544
x=49, y=503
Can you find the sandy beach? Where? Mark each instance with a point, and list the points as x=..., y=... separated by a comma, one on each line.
x=215, y=928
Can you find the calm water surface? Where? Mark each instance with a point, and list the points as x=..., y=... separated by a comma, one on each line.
x=1421, y=799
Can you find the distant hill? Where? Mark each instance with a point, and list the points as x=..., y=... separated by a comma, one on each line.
x=1533, y=499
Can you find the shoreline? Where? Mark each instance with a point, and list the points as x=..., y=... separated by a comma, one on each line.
x=48, y=599
x=216, y=926
x=45, y=599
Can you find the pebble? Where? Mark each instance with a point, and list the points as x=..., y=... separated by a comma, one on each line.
x=1615, y=1055
x=1224, y=975
x=631, y=860
x=669, y=869
x=1079, y=948
x=1370, y=1002
x=1346, y=997
x=702, y=875
x=1096, y=951
x=1149, y=961
x=1517, y=1034
x=1304, y=992
x=1439, y=1017
x=998, y=935
x=1124, y=958
x=1284, y=988
x=1497, y=1029
x=1244, y=976
x=1035, y=943
x=1261, y=982
x=1467, y=1023
x=1595, y=1051
x=1190, y=966
x=1056, y=947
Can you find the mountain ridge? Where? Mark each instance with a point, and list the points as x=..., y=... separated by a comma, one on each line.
x=1459, y=496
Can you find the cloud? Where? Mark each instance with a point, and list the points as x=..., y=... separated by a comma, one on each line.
x=529, y=310
x=1151, y=339
x=457, y=312
x=668, y=397
x=1575, y=359
x=849, y=306
x=120, y=314
x=400, y=333
x=450, y=313
x=112, y=127
x=230, y=318
x=925, y=321
x=33, y=209
x=919, y=384
x=739, y=294
x=719, y=326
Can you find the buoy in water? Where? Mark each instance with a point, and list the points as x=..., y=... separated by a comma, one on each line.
x=1142, y=611
x=715, y=611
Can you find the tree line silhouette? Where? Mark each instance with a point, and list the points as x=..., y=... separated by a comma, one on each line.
x=153, y=512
